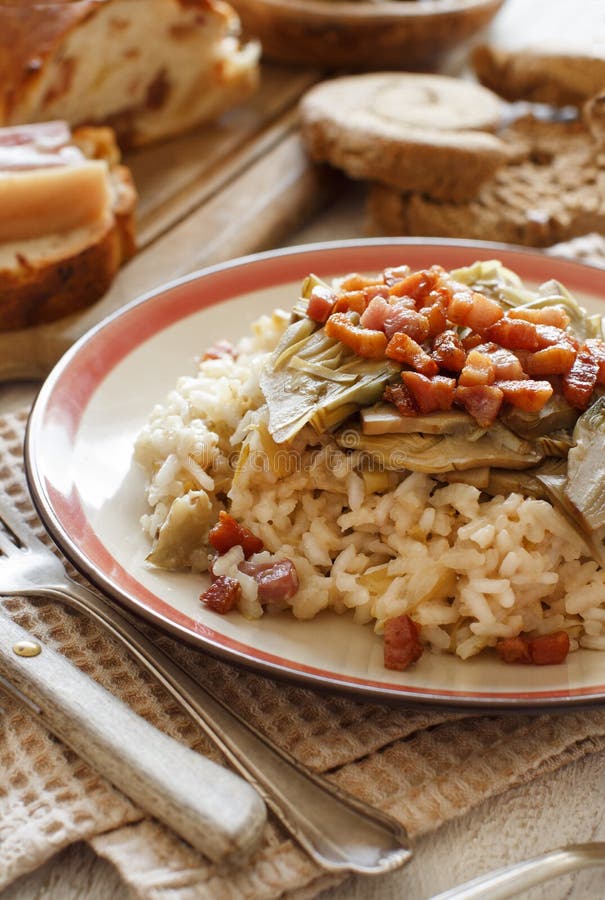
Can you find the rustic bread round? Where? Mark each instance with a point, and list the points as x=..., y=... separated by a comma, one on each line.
x=539, y=75
x=427, y=133
x=555, y=193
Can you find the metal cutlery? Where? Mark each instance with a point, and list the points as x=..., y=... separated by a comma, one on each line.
x=204, y=803
x=511, y=880
x=338, y=831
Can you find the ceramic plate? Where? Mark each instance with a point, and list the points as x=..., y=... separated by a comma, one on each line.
x=79, y=459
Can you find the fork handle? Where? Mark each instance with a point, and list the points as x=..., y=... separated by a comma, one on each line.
x=206, y=804
x=338, y=831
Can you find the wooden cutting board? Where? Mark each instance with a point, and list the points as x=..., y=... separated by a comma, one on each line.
x=225, y=190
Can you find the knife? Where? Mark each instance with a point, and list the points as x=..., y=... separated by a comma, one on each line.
x=211, y=808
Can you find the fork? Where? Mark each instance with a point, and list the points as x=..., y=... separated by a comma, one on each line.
x=339, y=832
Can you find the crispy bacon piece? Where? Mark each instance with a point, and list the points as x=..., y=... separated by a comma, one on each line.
x=579, y=382
x=418, y=285
x=472, y=309
x=357, y=282
x=277, y=581
x=436, y=313
x=220, y=350
x=546, y=315
x=404, y=349
x=478, y=369
x=514, y=650
x=407, y=321
x=514, y=334
x=394, y=275
x=402, y=644
x=597, y=349
x=321, y=303
x=430, y=394
x=355, y=301
x=555, y=360
x=482, y=401
x=471, y=341
x=228, y=533
x=222, y=595
x=448, y=351
x=506, y=364
x=527, y=394
x=364, y=342
x=545, y=650
x=400, y=397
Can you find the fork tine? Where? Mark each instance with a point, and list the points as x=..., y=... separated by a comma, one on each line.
x=13, y=521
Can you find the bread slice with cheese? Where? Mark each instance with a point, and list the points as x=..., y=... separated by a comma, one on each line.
x=66, y=220
x=148, y=68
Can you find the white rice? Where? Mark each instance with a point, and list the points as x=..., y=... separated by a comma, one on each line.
x=468, y=570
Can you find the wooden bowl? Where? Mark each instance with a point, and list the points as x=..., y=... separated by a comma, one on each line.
x=414, y=35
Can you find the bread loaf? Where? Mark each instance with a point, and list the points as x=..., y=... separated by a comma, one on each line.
x=427, y=133
x=66, y=220
x=552, y=191
x=148, y=68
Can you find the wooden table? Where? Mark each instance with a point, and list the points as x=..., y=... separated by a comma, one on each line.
x=245, y=187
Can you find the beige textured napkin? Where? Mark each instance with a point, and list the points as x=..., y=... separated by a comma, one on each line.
x=423, y=766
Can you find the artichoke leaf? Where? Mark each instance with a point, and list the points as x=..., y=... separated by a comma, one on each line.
x=555, y=415
x=585, y=485
x=383, y=418
x=313, y=379
x=434, y=454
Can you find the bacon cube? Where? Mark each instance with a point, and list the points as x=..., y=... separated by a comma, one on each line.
x=364, y=342
x=321, y=302
x=580, y=381
x=482, y=401
x=402, y=644
x=527, y=395
x=430, y=394
x=448, y=351
x=478, y=369
x=405, y=350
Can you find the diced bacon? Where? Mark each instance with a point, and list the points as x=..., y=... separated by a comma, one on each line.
x=514, y=334
x=470, y=341
x=546, y=315
x=597, y=349
x=221, y=350
x=356, y=301
x=228, y=533
x=580, y=381
x=366, y=342
x=430, y=394
x=555, y=360
x=222, y=595
x=394, y=274
x=478, y=369
x=400, y=397
x=435, y=314
x=277, y=581
x=407, y=321
x=418, y=285
x=549, y=649
x=527, y=394
x=357, y=282
x=448, y=351
x=404, y=349
x=321, y=303
x=402, y=644
x=482, y=401
x=514, y=650
x=550, y=336
x=506, y=364
x=378, y=309
x=472, y=309
x=544, y=650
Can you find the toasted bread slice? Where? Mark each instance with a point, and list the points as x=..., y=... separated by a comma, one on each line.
x=66, y=258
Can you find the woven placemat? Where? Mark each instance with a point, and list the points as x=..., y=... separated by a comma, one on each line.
x=423, y=766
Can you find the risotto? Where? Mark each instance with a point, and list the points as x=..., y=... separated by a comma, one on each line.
x=400, y=448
